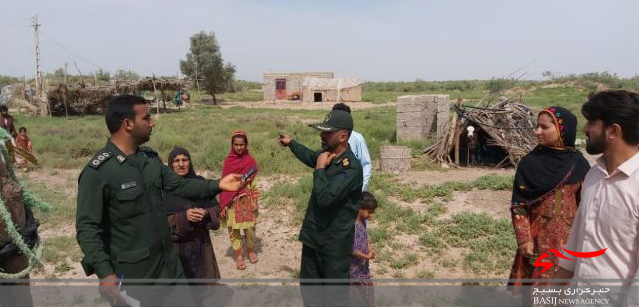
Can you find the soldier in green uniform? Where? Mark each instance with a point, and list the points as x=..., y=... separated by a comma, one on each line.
x=121, y=223
x=329, y=224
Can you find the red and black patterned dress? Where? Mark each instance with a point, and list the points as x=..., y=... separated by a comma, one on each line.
x=547, y=224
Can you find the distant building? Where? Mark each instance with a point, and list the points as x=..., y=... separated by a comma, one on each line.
x=311, y=87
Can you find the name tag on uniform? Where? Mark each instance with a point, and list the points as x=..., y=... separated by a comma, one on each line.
x=129, y=185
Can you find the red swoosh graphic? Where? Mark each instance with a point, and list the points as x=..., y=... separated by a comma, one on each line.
x=586, y=255
x=559, y=254
x=545, y=265
x=548, y=265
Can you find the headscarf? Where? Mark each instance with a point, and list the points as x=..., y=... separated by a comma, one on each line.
x=174, y=203
x=181, y=151
x=237, y=164
x=545, y=168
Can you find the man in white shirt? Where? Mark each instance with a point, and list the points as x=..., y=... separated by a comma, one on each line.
x=608, y=215
x=358, y=146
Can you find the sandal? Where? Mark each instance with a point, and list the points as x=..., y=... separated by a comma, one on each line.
x=252, y=256
x=239, y=260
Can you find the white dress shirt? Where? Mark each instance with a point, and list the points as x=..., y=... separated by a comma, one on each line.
x=607, y=217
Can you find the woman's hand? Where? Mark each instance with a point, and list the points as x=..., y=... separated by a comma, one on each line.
x=195, y=215
x=371, y=254
x=526, y=248
x=223, y=213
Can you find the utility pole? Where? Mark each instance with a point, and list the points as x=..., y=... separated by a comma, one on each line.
x=38, y=76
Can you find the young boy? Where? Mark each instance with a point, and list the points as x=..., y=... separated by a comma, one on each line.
x=362, y=251
x=23, y=142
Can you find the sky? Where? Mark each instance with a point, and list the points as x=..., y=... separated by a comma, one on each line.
x=399, y=40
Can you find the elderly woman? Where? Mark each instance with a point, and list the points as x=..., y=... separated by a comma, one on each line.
x=546, y=195
x=190, y=221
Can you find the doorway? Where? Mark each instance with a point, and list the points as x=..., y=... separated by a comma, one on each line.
x=280, y=89
x=317, y=97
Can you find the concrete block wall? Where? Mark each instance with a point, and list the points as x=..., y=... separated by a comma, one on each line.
x=421, y=116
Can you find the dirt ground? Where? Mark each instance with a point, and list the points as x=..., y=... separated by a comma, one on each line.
x=277, y=245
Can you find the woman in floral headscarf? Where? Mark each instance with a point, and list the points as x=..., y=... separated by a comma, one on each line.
x=546, y=195
x=239, y=209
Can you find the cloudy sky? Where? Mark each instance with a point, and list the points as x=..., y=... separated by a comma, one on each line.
x=374, y=39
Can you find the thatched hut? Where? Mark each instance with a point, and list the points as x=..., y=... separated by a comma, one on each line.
x=502, y=135
x=64, y=100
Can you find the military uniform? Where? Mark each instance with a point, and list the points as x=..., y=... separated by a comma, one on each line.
x=121, y=223
x=329, y=224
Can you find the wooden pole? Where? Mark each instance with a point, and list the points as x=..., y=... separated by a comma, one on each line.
x=457, y=132
x=64, y=92
x=155, y=93
x=65, y=73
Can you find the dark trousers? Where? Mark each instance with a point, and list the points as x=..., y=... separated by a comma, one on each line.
x=15, y=294
x=319, y=265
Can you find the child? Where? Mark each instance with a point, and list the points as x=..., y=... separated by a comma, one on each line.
x=362, y=251
x=240, y=209
x=23, y=142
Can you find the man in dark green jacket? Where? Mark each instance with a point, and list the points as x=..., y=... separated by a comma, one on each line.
x=121, y=223
x=329, y=224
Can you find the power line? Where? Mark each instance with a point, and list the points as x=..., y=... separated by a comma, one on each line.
x=70, y=51
x=14, y=28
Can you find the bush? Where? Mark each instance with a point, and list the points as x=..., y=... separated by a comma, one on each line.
x=498, y=85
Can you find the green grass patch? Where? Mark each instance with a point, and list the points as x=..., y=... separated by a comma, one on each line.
x=58, y=249
x=431, y=243
x=491, y=242
x=379, y=236
x=425, y=274
x=391, y=186
x=296, y=194
x=404, y=262
x=70, y=143
x=63, y=205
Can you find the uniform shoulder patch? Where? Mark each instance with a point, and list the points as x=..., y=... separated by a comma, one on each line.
x=148, y=151
x=346, y=162
x=99, y=159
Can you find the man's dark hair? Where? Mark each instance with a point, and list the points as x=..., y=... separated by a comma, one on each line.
x=121, y=107
x=615, y=107
x=22, y=129
x=342, y=106
x=367, y=201
x=4, y=108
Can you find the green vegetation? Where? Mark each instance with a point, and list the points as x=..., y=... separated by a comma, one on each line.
x=62, y=204
x=58, y=249
x=70, y=143
x=409, y=193
x=204, y=64
x=7, y=80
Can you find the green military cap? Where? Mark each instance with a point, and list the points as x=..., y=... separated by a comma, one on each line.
x=335, y=120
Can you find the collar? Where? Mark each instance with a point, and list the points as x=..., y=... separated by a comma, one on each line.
x=115, y=151
x=628, y=167
x=343, y=155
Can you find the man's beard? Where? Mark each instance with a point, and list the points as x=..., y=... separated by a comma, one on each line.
x=141, y=137
x=328, y=145
x=595, y=146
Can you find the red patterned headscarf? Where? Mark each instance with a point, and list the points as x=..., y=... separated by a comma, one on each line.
x=237, y=164
x=545, y=168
